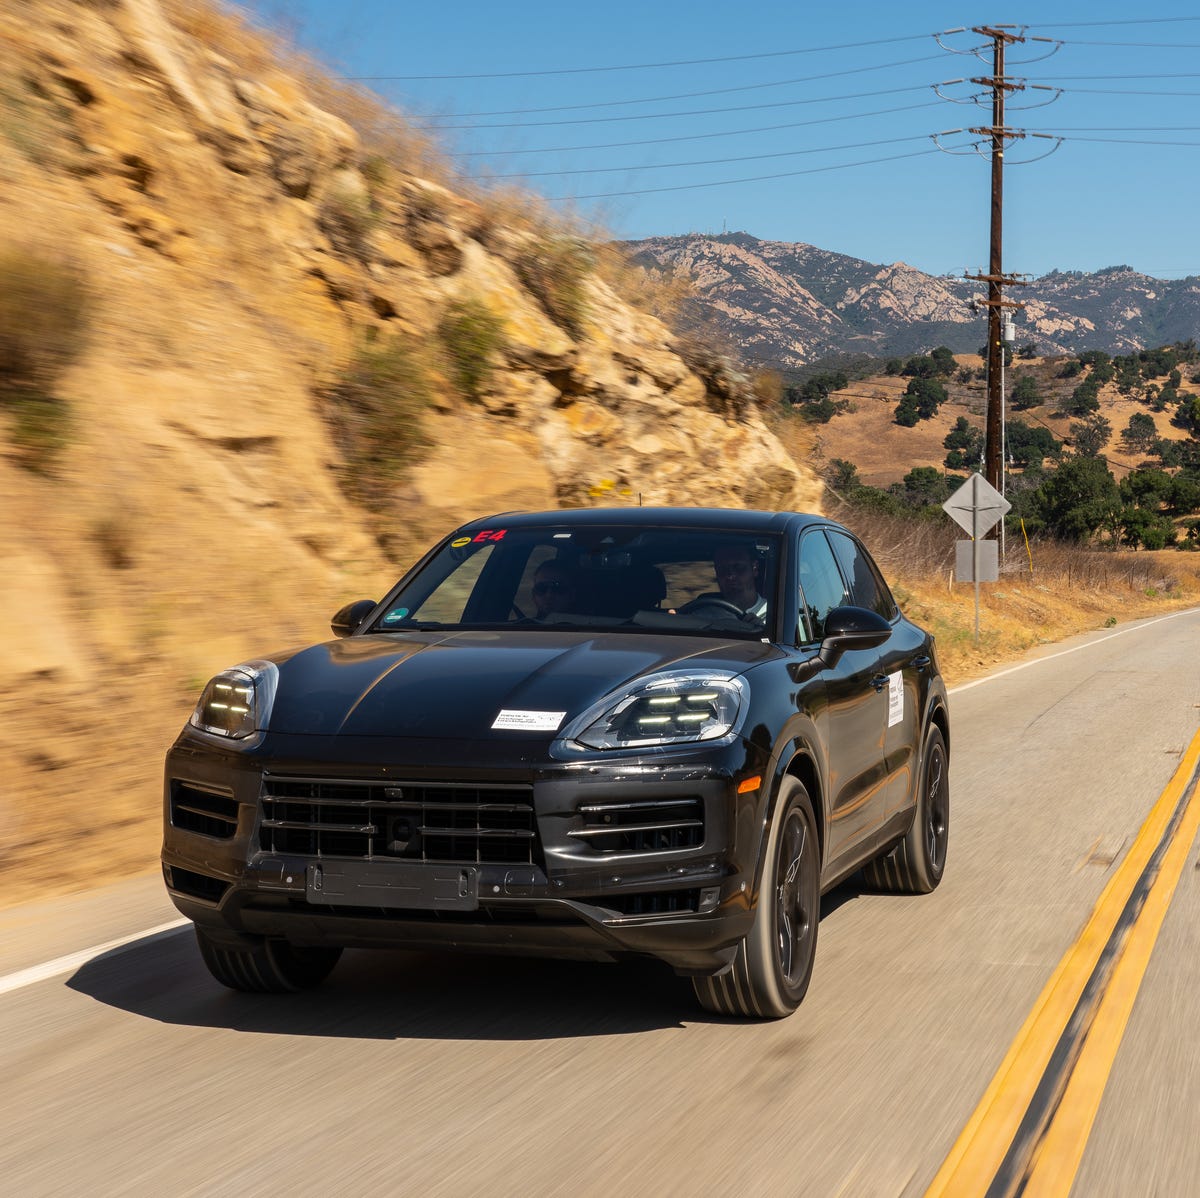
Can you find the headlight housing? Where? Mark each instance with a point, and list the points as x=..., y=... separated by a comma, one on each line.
x=679, y=707
x=237, y=702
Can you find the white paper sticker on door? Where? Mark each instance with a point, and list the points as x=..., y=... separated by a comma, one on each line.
x=895, y=698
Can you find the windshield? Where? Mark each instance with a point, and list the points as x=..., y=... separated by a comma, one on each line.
x=685, y=580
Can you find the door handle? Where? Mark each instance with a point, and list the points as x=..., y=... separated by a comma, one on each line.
x=879, y=681
x=922, y=663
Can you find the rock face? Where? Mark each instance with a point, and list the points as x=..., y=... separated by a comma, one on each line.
x=239, y=239
x=790, y=304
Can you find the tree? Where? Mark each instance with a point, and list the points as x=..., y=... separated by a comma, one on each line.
x=1148, y=530
x=1089, y=437
x=1084, y=399
x=1078, y=498
x=842, y=475
x=943, y=360
x=1103, y=370
x=1184, y=495
x=1026, y=393
x=920, y=401
x=923, y=486
x=1140, y=433
x=1187, y=415
x=920, y=366
x=965, y=443
x=1028, y=447
x=1148, y=489
x=906, y=411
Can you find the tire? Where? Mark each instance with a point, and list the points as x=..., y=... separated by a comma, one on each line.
x=916, y=864
x=256, y=965
x=771, y=971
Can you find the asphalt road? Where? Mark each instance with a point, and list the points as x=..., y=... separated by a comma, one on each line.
x=133, y=1073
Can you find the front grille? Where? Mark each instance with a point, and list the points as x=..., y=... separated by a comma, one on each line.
x=428, y=821
x=646, y=826
x=201, y=811
x=666, y=902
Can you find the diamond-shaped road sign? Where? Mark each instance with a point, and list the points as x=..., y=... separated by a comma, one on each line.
x=976, y=506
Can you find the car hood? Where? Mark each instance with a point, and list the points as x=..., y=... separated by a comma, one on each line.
x=456, y=685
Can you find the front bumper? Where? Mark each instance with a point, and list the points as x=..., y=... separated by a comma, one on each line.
x=650, y=854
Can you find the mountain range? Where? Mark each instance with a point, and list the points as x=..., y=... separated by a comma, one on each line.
x=789, y=304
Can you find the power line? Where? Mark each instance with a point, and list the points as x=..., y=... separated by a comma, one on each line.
x=1141, y=45
x=719, y=91
x=1094, y=24
x=647, y=116
x=644, y=66
x=604, y=195
x=658, y=166
x=657, y=141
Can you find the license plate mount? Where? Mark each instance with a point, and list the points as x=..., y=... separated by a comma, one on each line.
x=394, y=885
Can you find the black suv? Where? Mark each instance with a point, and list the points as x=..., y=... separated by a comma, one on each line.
x=587, y=733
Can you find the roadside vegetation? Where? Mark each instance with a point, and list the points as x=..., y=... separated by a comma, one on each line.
x=44, y=310
x=1060, y=478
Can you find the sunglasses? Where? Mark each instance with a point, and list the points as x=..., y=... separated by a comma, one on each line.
x=734, y=568
x=548, y=588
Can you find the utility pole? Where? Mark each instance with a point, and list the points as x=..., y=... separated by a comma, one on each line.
x=996, y=279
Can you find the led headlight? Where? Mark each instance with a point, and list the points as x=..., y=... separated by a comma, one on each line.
x=237, y=702
x=666, y=709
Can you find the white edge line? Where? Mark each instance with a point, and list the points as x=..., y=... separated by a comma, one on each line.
x=1037, y=661
x=73, y=961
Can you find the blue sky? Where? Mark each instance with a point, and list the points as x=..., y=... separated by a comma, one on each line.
x=601, y=105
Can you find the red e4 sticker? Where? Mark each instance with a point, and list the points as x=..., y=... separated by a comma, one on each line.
x=489, y=534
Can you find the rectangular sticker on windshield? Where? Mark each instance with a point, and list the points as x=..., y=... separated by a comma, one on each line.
x=895, y=698
x=529, y=721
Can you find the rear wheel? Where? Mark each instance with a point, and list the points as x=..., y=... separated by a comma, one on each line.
x=257, y=965
x=916, y=864
x=771, y=971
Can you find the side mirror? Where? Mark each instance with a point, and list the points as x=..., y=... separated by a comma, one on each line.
x=350, y=617
x=845, y=628
x=854, y=628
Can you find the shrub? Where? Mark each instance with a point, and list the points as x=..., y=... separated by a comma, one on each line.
x=471, y=333
x=44, y=320
x=1026, y=393
x=555, y=270
x=347, y=215
x=374, y=410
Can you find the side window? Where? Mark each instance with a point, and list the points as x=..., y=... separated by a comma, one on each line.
x=821, y=585
x=867, y=588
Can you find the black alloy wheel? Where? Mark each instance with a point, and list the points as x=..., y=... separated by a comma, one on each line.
x=771, y=971
x=916, y=864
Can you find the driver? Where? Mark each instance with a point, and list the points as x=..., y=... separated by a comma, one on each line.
x=737, y=573
x=553, y=590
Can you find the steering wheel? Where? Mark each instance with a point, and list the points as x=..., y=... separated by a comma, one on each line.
x=713, y=603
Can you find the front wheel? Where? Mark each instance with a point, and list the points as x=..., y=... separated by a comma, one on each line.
x=771, y=971
x=916, y=864
x=257, y=965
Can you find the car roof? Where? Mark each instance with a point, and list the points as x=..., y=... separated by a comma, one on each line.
x=652, y=517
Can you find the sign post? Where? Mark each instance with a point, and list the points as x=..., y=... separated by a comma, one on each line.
x=975, y=507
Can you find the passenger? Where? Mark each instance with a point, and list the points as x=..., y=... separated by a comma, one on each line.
x=553, y=590
x=737, y=573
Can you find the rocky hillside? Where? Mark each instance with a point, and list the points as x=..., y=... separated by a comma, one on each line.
x=788, y=304
x=241, y=238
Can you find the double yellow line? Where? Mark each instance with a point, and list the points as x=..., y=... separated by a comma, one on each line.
x=1027, y=1135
